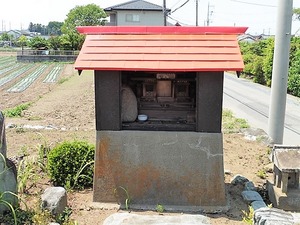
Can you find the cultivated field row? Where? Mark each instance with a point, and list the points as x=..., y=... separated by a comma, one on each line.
x=17, y=77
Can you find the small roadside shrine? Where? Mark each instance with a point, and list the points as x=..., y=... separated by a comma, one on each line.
x=158, y=100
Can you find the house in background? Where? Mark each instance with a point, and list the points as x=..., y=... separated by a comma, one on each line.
x=136, y=13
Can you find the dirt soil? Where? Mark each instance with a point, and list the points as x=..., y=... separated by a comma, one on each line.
x=67, y=111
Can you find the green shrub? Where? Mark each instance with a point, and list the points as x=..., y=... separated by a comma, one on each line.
x=257, y=70
x=71, y=164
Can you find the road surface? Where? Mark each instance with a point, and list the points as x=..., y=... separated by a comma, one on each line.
x=251, y=101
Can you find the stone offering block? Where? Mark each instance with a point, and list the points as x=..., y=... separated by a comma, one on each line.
x=251, y=196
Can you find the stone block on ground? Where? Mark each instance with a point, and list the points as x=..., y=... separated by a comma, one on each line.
x=251, y=196
x=54, y=199
x=258, y=204
x=268, y=216
x=131, y=218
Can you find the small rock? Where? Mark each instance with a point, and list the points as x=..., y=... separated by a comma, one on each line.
x=54, y=199
x=227, y=172
x=239, y=179
x=251, y=196
x=269, y=168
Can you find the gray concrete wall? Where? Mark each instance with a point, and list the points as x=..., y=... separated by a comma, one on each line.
x=46, y=58
x=182, y=169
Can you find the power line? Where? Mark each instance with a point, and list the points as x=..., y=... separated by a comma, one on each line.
x=251, y=3
x=176, y=3
x=180, y=6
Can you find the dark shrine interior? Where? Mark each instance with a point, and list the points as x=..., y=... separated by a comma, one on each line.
x=167, y=99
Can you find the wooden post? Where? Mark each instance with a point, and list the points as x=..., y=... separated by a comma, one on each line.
x=284, y=182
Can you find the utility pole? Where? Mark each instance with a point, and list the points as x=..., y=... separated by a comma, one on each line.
x=165, y=12
x=208, y=15
x=280, y=71
x=197, y=10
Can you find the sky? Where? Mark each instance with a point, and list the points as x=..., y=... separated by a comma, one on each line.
x=259, y=16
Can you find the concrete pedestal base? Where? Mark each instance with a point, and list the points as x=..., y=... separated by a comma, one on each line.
x=289, y=201
x=179, y=170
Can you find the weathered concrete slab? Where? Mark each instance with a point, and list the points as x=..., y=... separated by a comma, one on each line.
x=183, y=169
x=131, y=218
x=251, y=196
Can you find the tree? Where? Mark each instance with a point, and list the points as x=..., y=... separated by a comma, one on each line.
x=38, y=42
x=6, y=37
x=54, y=27
x=88, y=15
x=268, y=60
x=294, y=69
x=22, y=41
x=55, y=42
x=72, y=41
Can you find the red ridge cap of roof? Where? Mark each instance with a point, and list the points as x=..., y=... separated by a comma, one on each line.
x=159, y=30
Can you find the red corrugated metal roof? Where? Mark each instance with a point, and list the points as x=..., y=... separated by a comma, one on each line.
x=160, y=49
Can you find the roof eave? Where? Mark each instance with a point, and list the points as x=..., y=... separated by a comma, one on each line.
x=159, y=30
x=161, y=70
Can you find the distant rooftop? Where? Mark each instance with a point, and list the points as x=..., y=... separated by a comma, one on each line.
x=136, y=5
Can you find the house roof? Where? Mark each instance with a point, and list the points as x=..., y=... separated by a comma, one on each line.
x=136, y=5
x=175, y=49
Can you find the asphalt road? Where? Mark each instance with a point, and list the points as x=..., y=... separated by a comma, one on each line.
x=251, y=101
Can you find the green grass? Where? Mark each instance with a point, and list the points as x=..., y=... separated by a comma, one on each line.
x=16, y=111
x=261, y=174
x=232, y=124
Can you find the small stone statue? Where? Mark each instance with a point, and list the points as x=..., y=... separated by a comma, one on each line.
x=8, y=174
x=2, y=135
